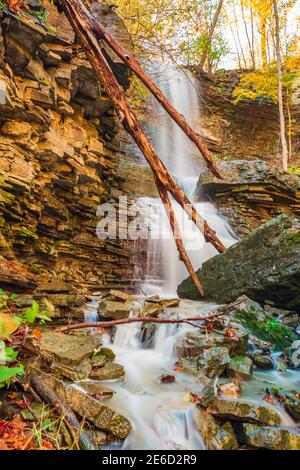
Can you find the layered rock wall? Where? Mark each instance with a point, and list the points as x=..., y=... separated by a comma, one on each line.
x=251, y=193
x=59, y=150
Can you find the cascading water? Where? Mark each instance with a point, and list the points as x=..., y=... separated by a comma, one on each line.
x=161, y=415
x=184, y=162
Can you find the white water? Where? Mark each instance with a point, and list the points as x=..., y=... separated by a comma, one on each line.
x=185, y=163
x=162, y=418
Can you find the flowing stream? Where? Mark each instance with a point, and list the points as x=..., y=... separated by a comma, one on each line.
x=161, y=415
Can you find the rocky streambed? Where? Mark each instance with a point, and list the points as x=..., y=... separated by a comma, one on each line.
x=224, y=383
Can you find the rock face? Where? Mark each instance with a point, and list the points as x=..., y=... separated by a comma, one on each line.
x=264, y=266
x=248, y=130
x=251, y=193
x=59, y=151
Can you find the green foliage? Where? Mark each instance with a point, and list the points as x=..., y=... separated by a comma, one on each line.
x=294, y=169
x=10, y=367
x=8, y=373
x=279, y=335
x=32, y=314
x=256, y=85
x=263, y=83
x=138, y=93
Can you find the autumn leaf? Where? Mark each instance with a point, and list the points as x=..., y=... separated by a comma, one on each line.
x=8, y=325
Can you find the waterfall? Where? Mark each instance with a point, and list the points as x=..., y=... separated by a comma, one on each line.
x=164, y=269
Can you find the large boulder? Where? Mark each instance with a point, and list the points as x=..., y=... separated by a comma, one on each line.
x=265, y=266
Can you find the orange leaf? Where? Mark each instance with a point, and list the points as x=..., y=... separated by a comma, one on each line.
x=36, y=333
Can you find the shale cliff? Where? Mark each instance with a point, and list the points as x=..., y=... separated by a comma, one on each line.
x=59, y=152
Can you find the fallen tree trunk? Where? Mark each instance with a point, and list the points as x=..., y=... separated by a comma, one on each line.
x=83, y=24
x=178, y=238
x=102, y=33
x=109, y=324
x=49, y=396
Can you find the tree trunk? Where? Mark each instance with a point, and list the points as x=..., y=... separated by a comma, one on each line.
x=211, y=31
x=84, y=26
x=284, y=147
x=263, y=39
x=178, y=238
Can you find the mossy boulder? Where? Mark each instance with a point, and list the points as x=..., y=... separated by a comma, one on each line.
x=265, y=266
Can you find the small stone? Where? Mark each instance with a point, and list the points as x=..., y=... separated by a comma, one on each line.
x=118, y=295
x=166, y=379
x=229, y=390
x=240, y=367
x=111, y=371
x=115, y=310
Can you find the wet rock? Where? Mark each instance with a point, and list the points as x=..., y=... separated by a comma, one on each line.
x=271, y=273
x=211, y=362
x=102, y=416
x=68, y=349
x=272, y=438
x=70, y=355
x=246, y=309
x=166, y=379
x=262, y=360
x=147, y=334
x=110, y=371
x=95, y=389
x=240, y=367
x=196, y=342
x=152, y=310
x=229, y=389
x=216, y=436
x=102, y=357
x=292, y=405
x=118, y=295
x=115, y=310
x=244, y=411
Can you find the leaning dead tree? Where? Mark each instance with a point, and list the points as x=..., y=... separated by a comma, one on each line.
x=87, y=30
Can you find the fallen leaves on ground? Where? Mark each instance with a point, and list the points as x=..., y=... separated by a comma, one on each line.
x=15, y=435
